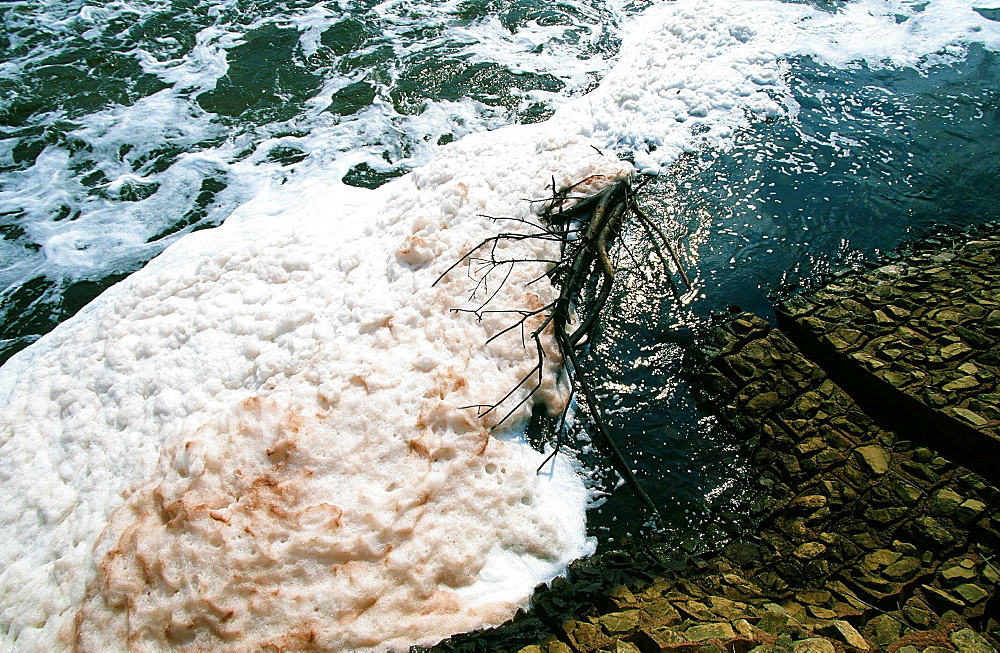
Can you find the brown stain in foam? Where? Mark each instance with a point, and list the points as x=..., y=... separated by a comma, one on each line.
x=261, y=504
x=242, y=506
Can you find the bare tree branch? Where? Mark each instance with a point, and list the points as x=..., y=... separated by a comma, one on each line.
x=586, y=227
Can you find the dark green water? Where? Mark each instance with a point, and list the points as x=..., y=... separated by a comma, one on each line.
x=876, y=158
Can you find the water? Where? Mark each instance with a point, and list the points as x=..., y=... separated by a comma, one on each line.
x=126, y=126
x=874, y=158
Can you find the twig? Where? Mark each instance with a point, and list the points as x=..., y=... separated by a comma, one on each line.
x=586, y=228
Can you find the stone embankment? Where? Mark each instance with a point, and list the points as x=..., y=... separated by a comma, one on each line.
x=872, y=536
x=918, y=342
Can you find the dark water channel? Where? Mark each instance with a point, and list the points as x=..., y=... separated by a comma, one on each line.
x=875, y=158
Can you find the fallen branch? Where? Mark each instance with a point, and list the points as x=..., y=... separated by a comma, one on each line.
x=586, y=228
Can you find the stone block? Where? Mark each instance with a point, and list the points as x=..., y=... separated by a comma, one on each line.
x=553, y=645
x=763, y=403
x=813, y=597
x=808, y=503
x=955, y=350
x=621, y=594
x=744, y=554
x=823, y=613
x=773, y=621
x=621, y=646
x=966, y=382
x=990, y=574
x=967, y=640
x=880, y=558
x=585, y=636
x=844, y=632
x=932, y=531
x=726, y=608
x=619, y=623
x=813, y=645
x=906, y=492
x=809, y=550
x=661, y=613
x=885, y=630
x=942, y=599
x=969, y=416
x=658, y=640
x=696, y=609
x=918, y=614
x=873, y=458
x=903, y=570
x=971, y=593
x=969, y=510
x=956, y=575
x=721, y=631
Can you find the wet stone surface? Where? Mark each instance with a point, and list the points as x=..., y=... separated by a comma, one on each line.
x=868, y=539
x=927, y=326
x=860, y=525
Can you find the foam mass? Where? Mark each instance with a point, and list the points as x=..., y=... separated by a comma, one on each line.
x=261, y=437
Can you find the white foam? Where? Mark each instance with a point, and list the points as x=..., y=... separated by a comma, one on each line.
x=328, y=315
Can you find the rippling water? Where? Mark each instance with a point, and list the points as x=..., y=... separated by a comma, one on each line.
x=126, y=125
x=873, y=158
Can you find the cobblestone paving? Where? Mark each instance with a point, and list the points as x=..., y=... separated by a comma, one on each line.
x=866, y=542
x=868, y=539
x=928, y=327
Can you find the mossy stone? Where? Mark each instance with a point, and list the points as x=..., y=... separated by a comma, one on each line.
x=702, y=632
x=874, y=458
x=813, y=645
x=930, y=529
x=903, y=570
x=619, y=623
x=956, y=575
x=967, y=640
x=945, y=502
x=971, y=593
x=969, y=510
x=887, y=630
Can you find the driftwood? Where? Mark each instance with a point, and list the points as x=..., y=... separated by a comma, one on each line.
x=586, y=228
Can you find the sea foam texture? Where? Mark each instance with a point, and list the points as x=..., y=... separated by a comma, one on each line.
x=277, y=430
x=260, y=437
